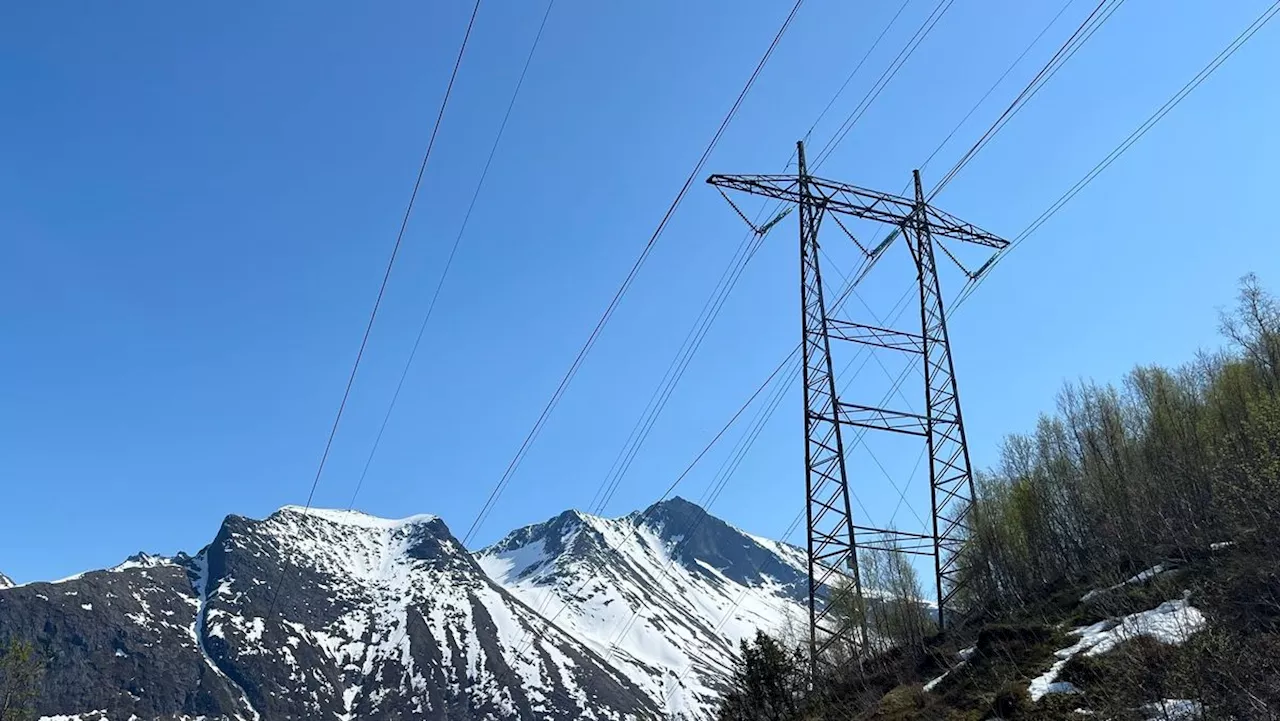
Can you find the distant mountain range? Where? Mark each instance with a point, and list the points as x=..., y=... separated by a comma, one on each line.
x=340, y=615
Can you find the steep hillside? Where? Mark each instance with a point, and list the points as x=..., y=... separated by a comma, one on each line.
x=340, y=615
x=374, y=619
x=664, y=594
x=1196, y=636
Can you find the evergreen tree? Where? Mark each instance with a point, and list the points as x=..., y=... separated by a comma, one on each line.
x=766, y=684
x=21, y=671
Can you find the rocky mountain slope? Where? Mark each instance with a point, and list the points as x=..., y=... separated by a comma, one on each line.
x=664, y=595
x=340, y=615
x=374, y=619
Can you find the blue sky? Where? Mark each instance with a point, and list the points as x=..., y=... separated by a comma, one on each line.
x=196, y=204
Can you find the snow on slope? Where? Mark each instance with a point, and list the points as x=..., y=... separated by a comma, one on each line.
x=1172, y=622
x=664, y=595
x=376, y=615
x=6, y=582
x=311, y=615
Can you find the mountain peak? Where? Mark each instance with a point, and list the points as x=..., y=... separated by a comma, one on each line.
x=674, y=517
x=359, y=519
x=6, y=582
x=142, y=559
x=678, y=503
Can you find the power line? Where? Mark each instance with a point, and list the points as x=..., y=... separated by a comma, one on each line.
x=930, y=22
x=735, y=460
x=856, y=68
x=1137, y=134
x=693, y=341
x=1101, y=13
x=452, y=252
x=627, y=454
x=996, y=84
x=1133, y=137
x=386, y=277
x=591, y=339
x=717, y=487
x=675, y=371
x=505, y=479
x=688, y=469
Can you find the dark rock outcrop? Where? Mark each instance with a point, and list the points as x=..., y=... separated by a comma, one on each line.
x=310, y=616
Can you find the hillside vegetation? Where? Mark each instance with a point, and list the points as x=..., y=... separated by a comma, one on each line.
x=1122, y=564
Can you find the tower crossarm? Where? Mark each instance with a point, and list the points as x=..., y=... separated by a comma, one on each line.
x=859, y=202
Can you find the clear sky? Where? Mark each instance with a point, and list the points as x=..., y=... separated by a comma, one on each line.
x=197, y=202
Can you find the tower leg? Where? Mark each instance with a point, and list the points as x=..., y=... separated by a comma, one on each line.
x=950, y=473
x=836, y=611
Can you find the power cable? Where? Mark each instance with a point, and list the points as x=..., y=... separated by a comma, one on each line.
x=611, y=481
x=718, y=484
x=386, y=277
x=541, y=421
x=856, y=68
x=1101, y=13
x=735, y=458
x=1137, y=134
x=930, y=22
x=452, y=252
x=675, y=371
x=505, y=479
x=1016, y=61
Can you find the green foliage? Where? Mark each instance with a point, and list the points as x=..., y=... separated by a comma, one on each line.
x=1164, y=465
x=21, y=672
x=890, y=606
x=767, y=683
x=1156, y=469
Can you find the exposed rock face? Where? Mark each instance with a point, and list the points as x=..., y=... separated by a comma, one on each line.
x=120, y=641
x=664, y=594
x=322, y=615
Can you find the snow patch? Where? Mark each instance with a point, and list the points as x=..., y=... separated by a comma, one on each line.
x=1173, y=709
x=963, y=655
x=1142, y=577
x=356, y=518
x=142, y=560
x=669, y=626
x=509, y=565
x=197, y=628
x=1172, y=622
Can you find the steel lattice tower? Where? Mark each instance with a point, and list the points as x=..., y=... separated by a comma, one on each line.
x=833, y=536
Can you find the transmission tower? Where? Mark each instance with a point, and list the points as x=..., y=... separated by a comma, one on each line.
x=834, y=537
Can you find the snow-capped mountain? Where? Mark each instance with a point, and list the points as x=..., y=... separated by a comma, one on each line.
x=5, y=581
x=317, y=615
x=339, y=615
x=663, y=595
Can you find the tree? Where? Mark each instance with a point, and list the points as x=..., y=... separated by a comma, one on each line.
x=898, y=618
x=1255, y=328
x=21, y=671
x=766, y=685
